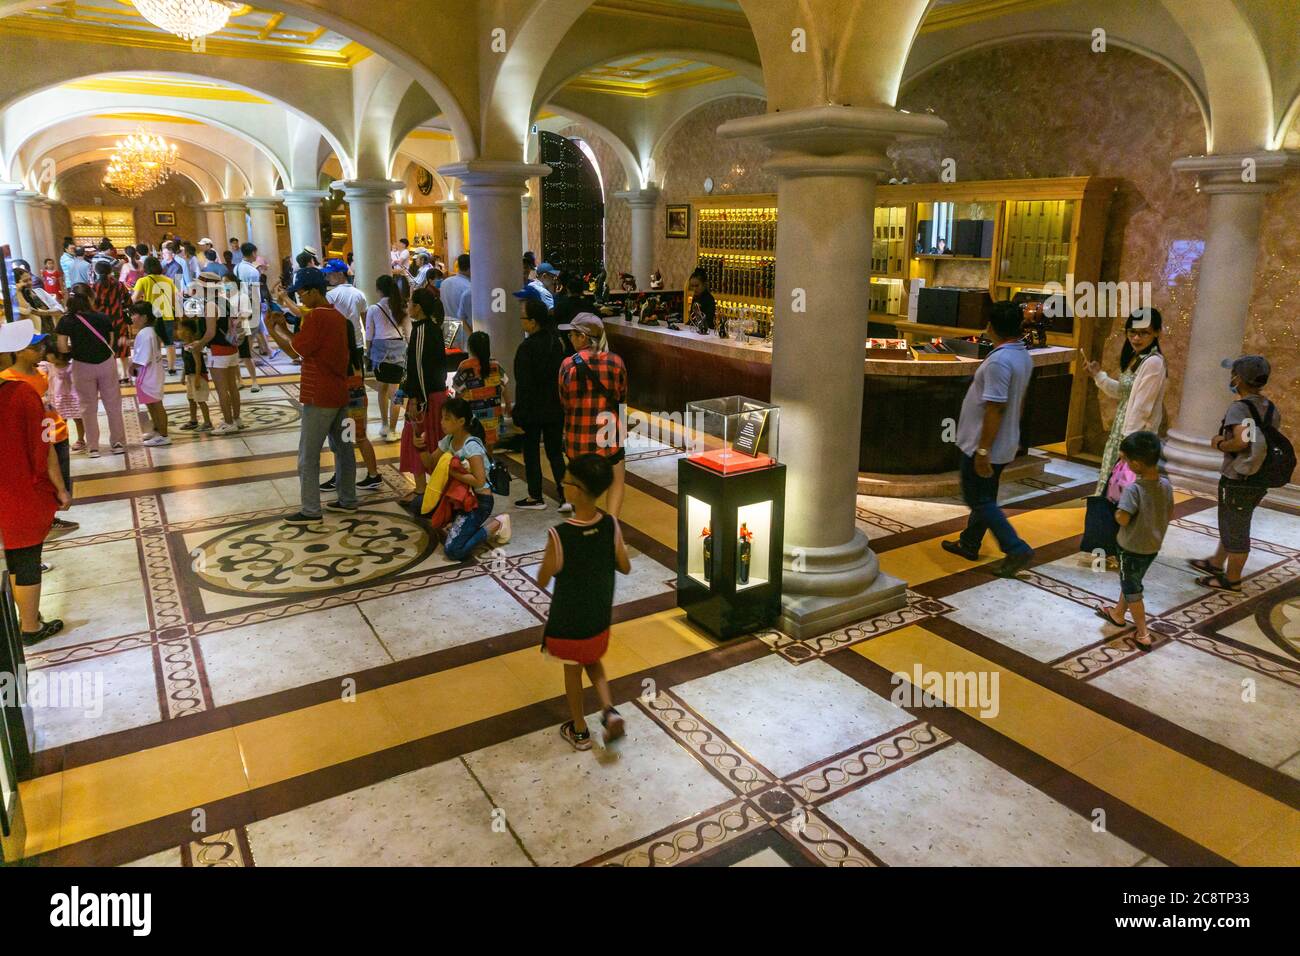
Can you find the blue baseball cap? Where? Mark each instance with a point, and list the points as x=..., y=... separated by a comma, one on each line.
x=546, y=269
x=309, y=278
x=335, y=265
x=529, y=292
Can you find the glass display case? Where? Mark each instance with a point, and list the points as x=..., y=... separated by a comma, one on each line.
x=730, y=535
x=733, y=435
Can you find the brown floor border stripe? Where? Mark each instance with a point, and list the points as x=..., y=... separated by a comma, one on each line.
x=110, y=746
x=1228, y=762
x=648, y=487
x=131, y=843
x=1122, y=820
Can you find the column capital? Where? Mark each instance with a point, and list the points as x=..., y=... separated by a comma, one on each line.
x=491, y=174
x=832, y=140
x=355, y=190
x=648, y=196
x=28, y=197
x=261, y=202
x=232, y=204
x=208, y=206
x=1256, y=172
x=292, y=197
x=452, y=206
x=11, y=189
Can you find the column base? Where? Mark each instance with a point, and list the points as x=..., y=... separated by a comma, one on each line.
x=1192, y=462
x=828, y=588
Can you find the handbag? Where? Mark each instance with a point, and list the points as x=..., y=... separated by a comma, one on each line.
x=390, y=373
x=1100, y=529
x=499, y=478
x=1121, y=476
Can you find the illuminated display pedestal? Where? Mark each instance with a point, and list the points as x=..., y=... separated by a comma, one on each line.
x=730, y=530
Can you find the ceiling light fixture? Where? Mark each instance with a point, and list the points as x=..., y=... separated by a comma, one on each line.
x=187, y=19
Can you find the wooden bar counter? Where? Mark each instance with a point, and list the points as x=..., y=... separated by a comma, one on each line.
x=909, y=408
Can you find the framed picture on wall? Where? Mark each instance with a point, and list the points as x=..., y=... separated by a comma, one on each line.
x=679, y=222
x=164, y=218
x=280, y=220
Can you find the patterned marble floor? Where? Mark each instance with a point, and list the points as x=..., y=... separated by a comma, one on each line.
x=345, y=695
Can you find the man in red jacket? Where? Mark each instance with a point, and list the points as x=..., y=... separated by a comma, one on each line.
x=325, y=342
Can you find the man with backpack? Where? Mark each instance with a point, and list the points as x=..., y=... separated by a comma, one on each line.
x=1256, y=457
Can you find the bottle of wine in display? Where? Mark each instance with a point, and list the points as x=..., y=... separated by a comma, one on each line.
x=708, y=554
x=743, y=555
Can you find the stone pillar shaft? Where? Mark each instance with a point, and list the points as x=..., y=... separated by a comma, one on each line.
x=644, y=204
x=368, y=202
x=303, y=206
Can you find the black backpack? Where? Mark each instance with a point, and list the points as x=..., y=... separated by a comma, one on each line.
x=1279, y=455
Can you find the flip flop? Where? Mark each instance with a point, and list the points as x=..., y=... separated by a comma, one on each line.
x=1144, y=648
x=1105, y=616
x=1204, y=566
x=1217, y=582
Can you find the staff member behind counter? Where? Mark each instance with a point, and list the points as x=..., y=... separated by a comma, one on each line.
x=704, y=309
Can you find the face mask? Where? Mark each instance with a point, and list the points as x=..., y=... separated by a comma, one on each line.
x=1232, y=387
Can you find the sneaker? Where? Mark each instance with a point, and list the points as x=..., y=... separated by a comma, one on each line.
x=144, y=439
x=255, y=389
x=578, y=741
x=63, y=524
x=119, y=449
x=225, y=428
x=301, y=518
x=205, y=427
x=239, y=425
x=394, y=435
x=158, y=441
x=190, y=427
x=94, y=453
x=79, y=446
x=531, y=504
x=503, y=533
x=341, y=508
x=371, y=482
x=46, y=567
x=959, y=549
x=47, y=630
x=383, y=432
x=330, y=485
x=566, y=508
x=613, y=725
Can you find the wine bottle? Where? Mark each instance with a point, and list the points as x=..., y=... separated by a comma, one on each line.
x=743, y=555
x=708, y=554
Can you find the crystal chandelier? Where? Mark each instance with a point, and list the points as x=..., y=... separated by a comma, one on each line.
x=140, y=162
x=188, y=19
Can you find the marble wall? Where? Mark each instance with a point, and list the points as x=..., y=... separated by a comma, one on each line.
x=82, y=187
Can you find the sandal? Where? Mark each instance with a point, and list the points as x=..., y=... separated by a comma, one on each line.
x=578, y=741
x=1218, y=582
x=1104, y=613
x=1144, y=648
x=1203, y=565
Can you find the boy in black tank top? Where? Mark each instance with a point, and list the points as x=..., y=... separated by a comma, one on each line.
x=582, y=555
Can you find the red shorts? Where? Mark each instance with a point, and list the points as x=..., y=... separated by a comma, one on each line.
x=587, y=650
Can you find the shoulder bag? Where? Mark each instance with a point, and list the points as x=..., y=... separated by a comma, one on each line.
x=390, y=373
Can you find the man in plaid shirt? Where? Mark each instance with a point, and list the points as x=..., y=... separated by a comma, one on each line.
x=593, y=389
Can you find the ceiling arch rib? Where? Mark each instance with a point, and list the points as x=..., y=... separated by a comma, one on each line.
x=236, y=144
x=208, y=186
x=632, y=167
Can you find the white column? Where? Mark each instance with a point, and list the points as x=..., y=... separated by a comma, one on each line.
x=368, y=201
x=45, y=231
x=26, y=208
x=825, y=159
x=213, y=225
x=265, y=237
x=525, y=205
x=1222, y=304
x=304, y=219
x=493, y=189
x=644, y=204
x=9, y=234
x=452, y=215
x=236, y=224
x=400, y=230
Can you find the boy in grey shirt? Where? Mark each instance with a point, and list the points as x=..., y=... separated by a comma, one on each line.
x=1144, y=510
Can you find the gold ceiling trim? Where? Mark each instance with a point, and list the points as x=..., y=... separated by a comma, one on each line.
x=642, y=91
x=183, y=89
x=947, y=18
x=676, y=12
x=149, y=118
x=429, y=134
x=343, y=59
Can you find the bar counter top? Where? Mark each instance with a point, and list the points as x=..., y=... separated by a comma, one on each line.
x=754, y=351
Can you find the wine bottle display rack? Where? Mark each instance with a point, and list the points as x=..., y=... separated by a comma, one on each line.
x=734, y=313
x=740, y=275
x=738, y=229
x=889, y=254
